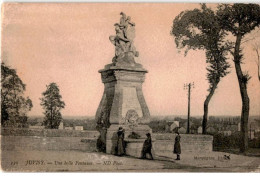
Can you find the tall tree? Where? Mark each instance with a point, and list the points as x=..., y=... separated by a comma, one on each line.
x=14, y=106
x=200, y=29
x=52, y=105
x=239, y=20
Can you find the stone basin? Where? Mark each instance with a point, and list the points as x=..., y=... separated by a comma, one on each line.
x=134, y=147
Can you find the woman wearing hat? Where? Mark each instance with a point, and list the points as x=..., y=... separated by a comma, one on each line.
x=147, y=147
x=177, y=146
x=120, y=141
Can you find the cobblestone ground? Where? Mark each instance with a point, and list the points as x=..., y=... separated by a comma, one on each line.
x=71, y=161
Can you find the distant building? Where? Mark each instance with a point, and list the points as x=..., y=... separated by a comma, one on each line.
x=171, y=126
x=227, y=133
x=78, y=128
x=68, y=128
x=174, y=125
x=251, y=134
x=37, y=126
x=182, y=130
x=230, y=120
x=199, y=130
x=61, y=126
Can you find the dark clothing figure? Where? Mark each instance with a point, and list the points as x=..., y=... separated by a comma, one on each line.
x=177, y=146
x=147, y=147
x=101, y=146
x=101, y=142
x=120, y=142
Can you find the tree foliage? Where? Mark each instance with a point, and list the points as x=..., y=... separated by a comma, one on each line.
x=239, y=19
x=52, y=105
x=14, y=106
x=201, y=29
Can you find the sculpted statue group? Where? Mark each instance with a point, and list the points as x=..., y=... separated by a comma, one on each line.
x=124, y=40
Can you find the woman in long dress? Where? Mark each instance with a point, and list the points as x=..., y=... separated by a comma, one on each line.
x=177, y=146
x=120, y=142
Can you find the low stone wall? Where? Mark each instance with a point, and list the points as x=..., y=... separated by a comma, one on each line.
x=55, y=139
x=48, y=132
x=47, y=139
x=164, y=143
x=35, y=143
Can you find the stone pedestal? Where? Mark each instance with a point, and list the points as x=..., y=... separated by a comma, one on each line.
x=123, y=92
x=123, y=105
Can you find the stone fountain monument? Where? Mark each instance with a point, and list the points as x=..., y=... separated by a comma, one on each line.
x=123, y=103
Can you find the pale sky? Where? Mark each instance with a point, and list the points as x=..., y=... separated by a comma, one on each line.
x=68, y=44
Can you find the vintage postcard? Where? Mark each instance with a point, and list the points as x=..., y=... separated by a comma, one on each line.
x=130, y=87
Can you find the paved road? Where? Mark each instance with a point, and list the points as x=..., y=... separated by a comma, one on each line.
x=53, y=161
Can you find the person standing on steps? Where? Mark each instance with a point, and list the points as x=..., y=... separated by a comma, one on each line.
x=177, y=146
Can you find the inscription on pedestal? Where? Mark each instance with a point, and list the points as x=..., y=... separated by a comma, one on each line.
x=130, y=101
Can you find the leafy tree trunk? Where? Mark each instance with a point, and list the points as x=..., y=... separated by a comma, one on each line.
x=206, y=105
x=242, y=79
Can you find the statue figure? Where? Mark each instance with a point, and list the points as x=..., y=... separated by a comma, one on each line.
x=124, y=22
x=123, y=40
